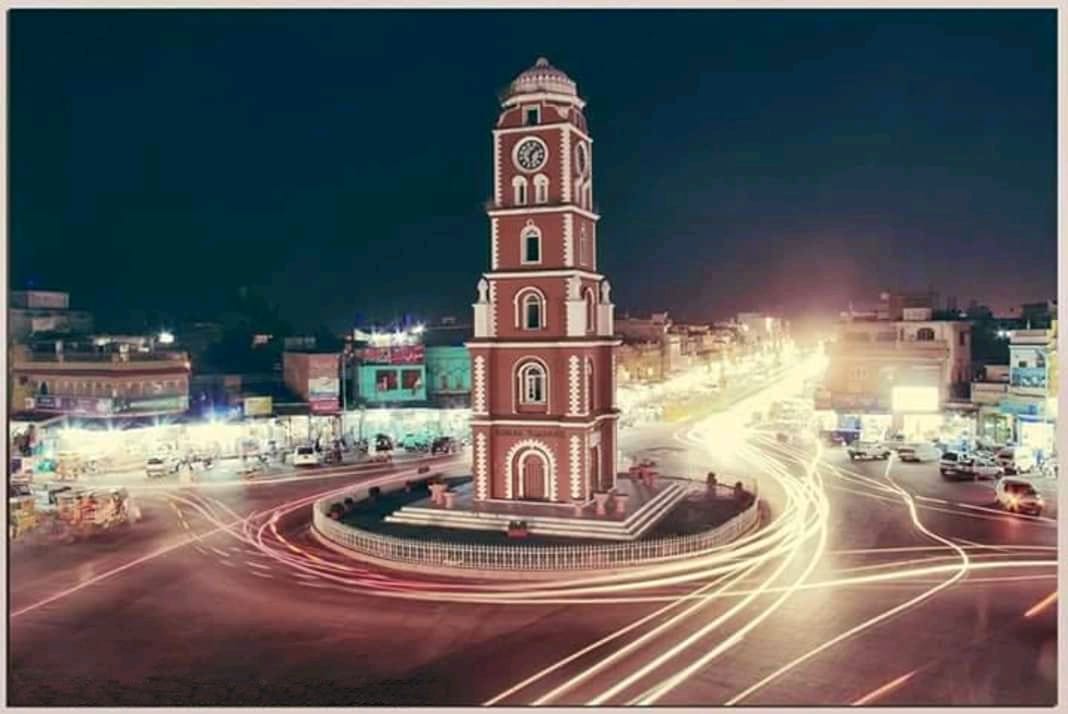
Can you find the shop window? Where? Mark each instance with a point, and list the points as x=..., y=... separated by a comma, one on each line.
x=925, y=334
x=386, y=380
x=411, y=379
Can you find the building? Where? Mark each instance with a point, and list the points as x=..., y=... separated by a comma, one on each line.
x=544, y=421
x=448, y=366
x=897, y=375
x=44, y=311
x=987, y=395
x=314, y=377
x=393, y=375
x=1031, y=398
x=99, y=383
x=639, y=330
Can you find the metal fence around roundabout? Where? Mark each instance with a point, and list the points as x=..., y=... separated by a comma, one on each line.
x=588, y=556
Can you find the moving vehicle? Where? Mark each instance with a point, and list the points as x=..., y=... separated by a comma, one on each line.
x=306, y=456
x=444, y=445
x=868, y=450
x=161, y=466
x=1017, y=459
x=918, y=453
x=383, y=442
x=1018, y=496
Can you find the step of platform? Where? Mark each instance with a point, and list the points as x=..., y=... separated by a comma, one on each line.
x=632, y=527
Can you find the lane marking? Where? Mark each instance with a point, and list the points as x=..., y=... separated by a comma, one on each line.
x=221, y=553
x=885, y=689
x=261, y=566
x=260, y=575
x=1042, y=604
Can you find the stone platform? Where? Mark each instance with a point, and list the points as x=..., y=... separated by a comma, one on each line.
x=644, y=506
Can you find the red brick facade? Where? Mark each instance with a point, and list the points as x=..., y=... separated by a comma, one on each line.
x=543, y=392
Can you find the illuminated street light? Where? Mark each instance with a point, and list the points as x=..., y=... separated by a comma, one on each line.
x=166, y=338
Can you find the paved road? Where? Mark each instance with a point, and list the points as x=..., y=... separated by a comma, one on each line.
x=204, y=602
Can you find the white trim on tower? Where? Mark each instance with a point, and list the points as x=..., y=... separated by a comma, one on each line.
x=576, y=467
x=569, y=239
x=496, y=246
x=565, y=165
x=481, y=472
x=546, y=125
x=498, y=191
x=527, y=210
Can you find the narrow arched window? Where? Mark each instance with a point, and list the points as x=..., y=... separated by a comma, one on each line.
x=532, y=312
x=541, y=188
x=533, y=387
x=531, y=246
x=591, y=311
x=519, y=187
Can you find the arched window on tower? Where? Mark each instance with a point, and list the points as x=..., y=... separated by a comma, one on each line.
x=530, y=309
x=519, y=187
x=531, y=245
x=591, y=310
x=541, y=188
x=533, y=384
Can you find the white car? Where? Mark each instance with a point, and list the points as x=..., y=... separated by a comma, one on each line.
x=1018, y=496
x=306, y=456
x=974, y=466
x=1017, y=459
x=868, y=450
x=918, y=453
x=160, y=466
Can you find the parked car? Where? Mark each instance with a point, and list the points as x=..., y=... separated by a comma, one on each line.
x=869, y=450
x=444, y=445
x=161, y=466
x=383, y=442
x=1017, y=459
x=918, y=453
x=1018, y=496
x=306, y=456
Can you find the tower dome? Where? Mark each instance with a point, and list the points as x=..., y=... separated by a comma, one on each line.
x=542, y=77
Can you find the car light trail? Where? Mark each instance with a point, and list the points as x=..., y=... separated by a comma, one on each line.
x=883, y=690
x=1042, y=604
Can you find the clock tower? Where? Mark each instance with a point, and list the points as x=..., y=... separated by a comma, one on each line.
x=544, y=421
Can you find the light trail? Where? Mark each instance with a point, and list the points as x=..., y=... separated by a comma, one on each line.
x=883, y=690
x=1042, y=604
x=871, y=622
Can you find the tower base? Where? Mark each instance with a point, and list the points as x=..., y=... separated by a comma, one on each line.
x=643, y=506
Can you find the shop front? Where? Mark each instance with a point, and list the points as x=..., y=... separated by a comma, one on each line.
x=993, y=426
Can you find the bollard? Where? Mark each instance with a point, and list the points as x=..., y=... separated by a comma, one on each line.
x=436, y=491
x=601, y=498
x=621, y=503
x=450, y=499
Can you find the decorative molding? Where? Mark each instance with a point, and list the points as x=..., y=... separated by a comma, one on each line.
x=574, y=386
x=565, y=164
x=550, y=461
x=495, y=259
x=481, y=474
x=532, y=423
x=557, y=273
x=480, y=385
x=520, y=318
x=494, y=310
x=518, y=99
x=504, y=344
x=498, y=192
x=569, y=239
x=576, y=470
x=547, y=125
x=527, y=210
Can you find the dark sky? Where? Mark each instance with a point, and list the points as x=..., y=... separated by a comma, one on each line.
x=338, y=160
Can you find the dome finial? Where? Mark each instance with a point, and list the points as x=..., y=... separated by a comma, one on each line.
x=542, y=62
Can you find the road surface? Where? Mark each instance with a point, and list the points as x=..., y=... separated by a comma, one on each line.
x=871, y=583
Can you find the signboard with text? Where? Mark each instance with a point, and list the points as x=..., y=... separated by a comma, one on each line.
x=401, y=354
x=258, y=406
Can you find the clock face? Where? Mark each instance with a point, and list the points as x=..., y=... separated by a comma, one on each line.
x=530, y=154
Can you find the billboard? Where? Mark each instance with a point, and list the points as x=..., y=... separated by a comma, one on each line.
x=258, y=406
x=401, y=354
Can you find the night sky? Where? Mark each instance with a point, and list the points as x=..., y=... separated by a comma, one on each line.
x=338, y=161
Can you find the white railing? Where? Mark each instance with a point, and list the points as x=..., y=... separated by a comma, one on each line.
x=523, y=557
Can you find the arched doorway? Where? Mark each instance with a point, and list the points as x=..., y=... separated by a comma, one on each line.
x=533, y=476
